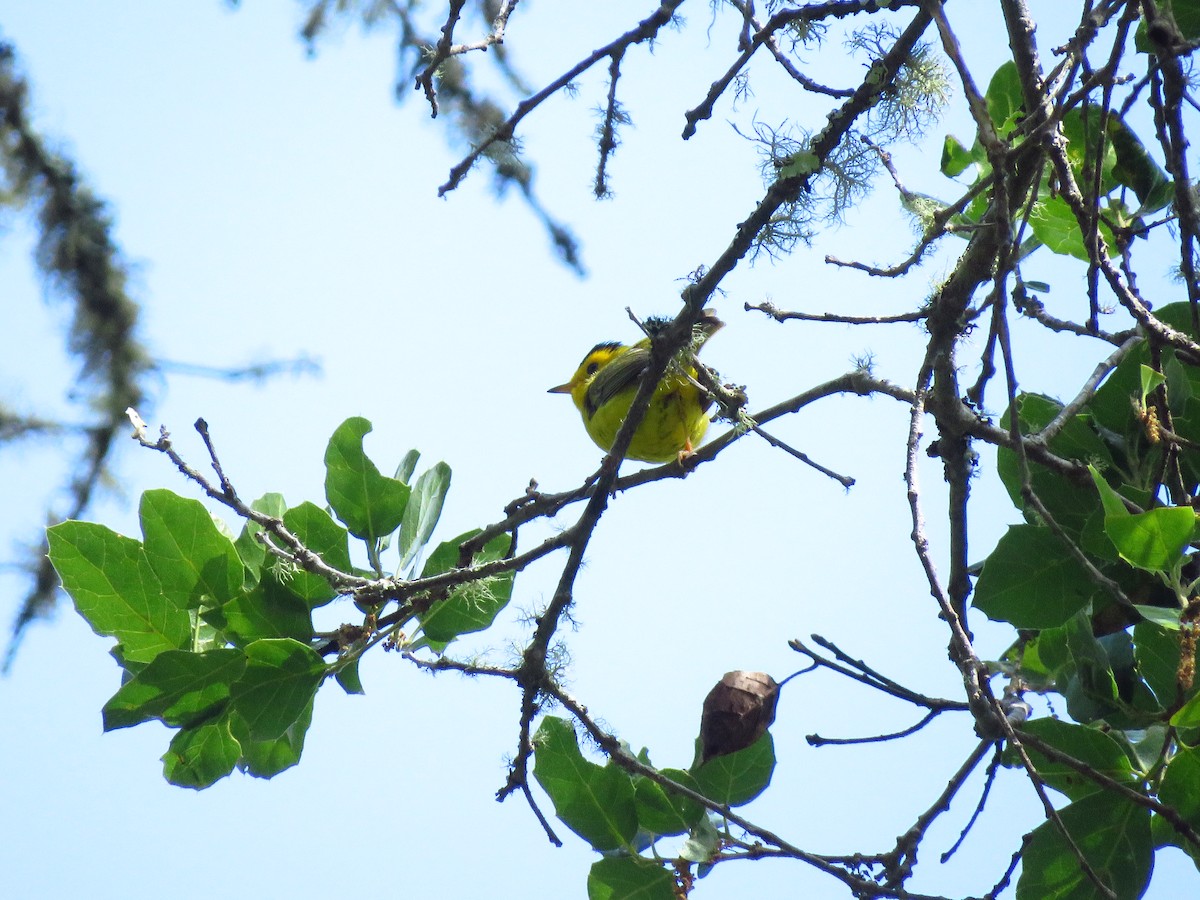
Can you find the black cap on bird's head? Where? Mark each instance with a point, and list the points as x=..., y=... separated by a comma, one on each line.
x=654, y=326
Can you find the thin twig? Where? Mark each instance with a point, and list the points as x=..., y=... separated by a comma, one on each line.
x=607, y=143
x=781, y=57
x=1086, y=392
x=765, y=35
x=645, y=30
x=781, y=315
x=815, y=740
x=989, y=780
x=859, y=671
x=440, y=53
x=844, y=480
x=899, y=863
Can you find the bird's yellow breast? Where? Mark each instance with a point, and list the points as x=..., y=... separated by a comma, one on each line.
x=674, y=423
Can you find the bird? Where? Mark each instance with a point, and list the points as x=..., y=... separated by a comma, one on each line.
x=604, y=385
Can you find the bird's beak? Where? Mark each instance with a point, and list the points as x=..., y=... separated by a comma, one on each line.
x=561, y=389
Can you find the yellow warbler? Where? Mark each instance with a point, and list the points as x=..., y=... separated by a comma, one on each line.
x=604, y=385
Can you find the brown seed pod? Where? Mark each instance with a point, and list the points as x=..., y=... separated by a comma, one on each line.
x=737, y=711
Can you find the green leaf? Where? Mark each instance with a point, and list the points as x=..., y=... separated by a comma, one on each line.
x=267, y=758
x=1087, y=744
x=1025, y=659
x=1181, y=791
x=1183, y=388
x=445, y=556
x=1152, y=540
x=269, y=610
x=1178, y=315
x=1111, y=403
x=347, y=676
x=972, y=216
x=1150, y=381
x=1156, y=650
x=1188, y=715
x=324, y=537
x=661, y=812
x=202, y=755
x=423, y=511
x=702, y=844
x=1114, y=506
x=1004, y=99
x=277, y=687
x=1031, y=581
x=114, y=587
x=1163, y=834
x=1072, y=508
x=630, y=878
x=407, y=466
x=1054, y=224
x=1114, y=837
x=596, y=802
x=1082, y=669
x=371, y=504
x=955, y=157
x=1146, y=750
x=737, y=778
x=1160, y=616
x=1131, y=689
x=249, y=547
x=1136, y=169
x=1087, y=142
x=472, y=606
x=1086, y=679
x=1187, y=17
x=177, y=687
x=195, y=563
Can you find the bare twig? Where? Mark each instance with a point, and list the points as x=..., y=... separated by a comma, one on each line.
x=1168, y=46
x=645, y=30
x=607, y=143
x=899, y=863
x=781, y=57
x=859, y=671
x=765, y=35
x=781, y=315
x=993, y=767
x=844, y=480
x=816, y=740
x=936, y=223
x=1086, y=392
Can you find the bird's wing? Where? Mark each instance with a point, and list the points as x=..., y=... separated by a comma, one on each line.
x=615, y=377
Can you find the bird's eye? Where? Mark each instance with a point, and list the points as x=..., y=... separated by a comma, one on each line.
x=592, y=367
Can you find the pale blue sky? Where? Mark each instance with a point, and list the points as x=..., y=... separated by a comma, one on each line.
x=275, y=205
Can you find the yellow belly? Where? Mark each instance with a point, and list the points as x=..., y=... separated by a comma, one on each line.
x=674, y=423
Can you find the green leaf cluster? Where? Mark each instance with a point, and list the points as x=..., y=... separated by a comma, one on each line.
x=1101, y=602
x=623, y=816
x=1104, y=153
x=215, y=635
